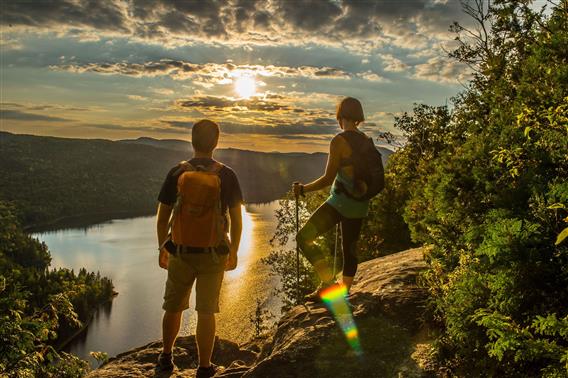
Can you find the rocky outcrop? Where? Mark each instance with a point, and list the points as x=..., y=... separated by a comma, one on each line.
x=387, y=306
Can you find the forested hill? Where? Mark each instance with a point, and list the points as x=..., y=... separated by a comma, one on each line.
x=48, y=178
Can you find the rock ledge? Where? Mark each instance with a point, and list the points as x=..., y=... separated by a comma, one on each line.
x=387, y=305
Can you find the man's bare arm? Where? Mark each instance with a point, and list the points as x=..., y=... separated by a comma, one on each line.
x=163, y=218
x=164, y=212
x=235, y=235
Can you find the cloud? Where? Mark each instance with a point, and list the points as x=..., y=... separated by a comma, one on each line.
x=392, y=64
x=17, y=115
x=269, y=109
x=372, y=76
x=43, y=107
x=137, y=98
x=353, y=24
x=4, y=105
x=208, y=73
x=317, y=18
x=7, y=44
x=163, y=91
x=443, y=70
x=226, y=103
x=101, y=15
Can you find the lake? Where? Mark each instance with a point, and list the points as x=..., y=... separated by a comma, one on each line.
x=125, y=250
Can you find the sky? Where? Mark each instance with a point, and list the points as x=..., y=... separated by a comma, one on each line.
x=269, y=72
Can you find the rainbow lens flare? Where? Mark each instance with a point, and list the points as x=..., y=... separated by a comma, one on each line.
x=335, y=299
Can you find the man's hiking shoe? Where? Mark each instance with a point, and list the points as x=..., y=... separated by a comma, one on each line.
x=315, y=296
x=165, y=362
x=206, y=372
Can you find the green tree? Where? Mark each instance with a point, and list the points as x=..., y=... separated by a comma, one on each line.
x=493, y=202
x=39, y=307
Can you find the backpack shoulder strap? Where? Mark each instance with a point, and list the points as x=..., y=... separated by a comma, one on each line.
x=184, y=166
x=215, y=167
x=355, y=141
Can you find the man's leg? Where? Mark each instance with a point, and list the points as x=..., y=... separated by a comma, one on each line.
x=181, y=276
x=170, y=328
x=205, y=337
x=208, y=289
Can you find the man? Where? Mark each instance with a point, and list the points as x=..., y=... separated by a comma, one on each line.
x=192, y=191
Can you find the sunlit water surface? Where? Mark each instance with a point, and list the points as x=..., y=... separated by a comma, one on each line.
x=125, y=251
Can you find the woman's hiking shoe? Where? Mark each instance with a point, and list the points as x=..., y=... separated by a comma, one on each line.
x=206, y=372
x=165, y=362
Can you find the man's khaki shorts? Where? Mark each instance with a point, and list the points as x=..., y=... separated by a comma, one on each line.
x=184, y=269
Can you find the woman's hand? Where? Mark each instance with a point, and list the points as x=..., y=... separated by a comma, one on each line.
x=298, y=189
x=163, y=259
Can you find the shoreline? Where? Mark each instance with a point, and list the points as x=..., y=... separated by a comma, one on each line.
x=86, y=220
x=83, y=220
x=85, y=324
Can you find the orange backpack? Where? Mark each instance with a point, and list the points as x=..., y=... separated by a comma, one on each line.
x=197, y=220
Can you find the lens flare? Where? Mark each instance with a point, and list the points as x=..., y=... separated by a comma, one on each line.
x=335, y=299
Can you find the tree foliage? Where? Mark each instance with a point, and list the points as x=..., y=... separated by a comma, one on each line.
x=483, y=182
x=486, y=187
x=50, y=179
x=39, y=306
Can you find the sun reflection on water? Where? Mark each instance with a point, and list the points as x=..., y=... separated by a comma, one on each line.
x=245, y=248
x=124, y=250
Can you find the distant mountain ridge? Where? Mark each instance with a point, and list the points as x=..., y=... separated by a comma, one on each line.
x=174, y=144
x=48, y=178
x=182, y=145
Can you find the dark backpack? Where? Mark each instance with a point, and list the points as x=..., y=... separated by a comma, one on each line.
x=369, y=174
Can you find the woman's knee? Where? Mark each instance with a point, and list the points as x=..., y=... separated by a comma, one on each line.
x=305, y=239
x=306, y=235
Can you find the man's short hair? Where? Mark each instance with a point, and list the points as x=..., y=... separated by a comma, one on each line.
x=204, y=135
x=350, y=108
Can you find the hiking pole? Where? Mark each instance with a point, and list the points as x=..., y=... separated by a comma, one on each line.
x=297, y=250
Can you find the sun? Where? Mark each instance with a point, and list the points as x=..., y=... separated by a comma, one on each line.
x=245, y=86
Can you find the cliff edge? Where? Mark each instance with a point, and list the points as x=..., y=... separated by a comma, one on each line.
x=387, y=306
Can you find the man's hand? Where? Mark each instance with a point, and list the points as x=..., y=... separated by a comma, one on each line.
x=232, y=259
x=163, y=259
x=235, y=212
x=164, y=212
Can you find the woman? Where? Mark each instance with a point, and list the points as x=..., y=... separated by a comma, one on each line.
x=340, y=207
